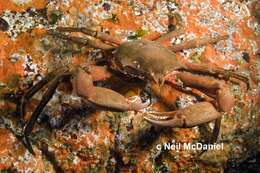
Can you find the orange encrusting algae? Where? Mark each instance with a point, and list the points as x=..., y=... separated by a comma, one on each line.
x=7, y=68
x=24, y=44
x=242, y=39
x=12, y=6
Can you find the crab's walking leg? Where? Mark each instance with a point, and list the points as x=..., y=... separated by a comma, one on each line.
x=169, y=92
x=225, y=101
x=209, y=84
x=84, y=41
x=92, y=32
x=30, y=93
x=103, y=97
x=215, y=131
x=224, y=97
x=197, y=43
x=217, y=72
x=169, y=35
x=191, y=116
x=45, y=99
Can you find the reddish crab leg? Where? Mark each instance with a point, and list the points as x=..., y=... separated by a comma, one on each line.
x=92, y=32
x=103, y=97
x=82, y=86
x=224, y=96
x=191, y=116
x=169, y=35
x=84, y=41
x=197, y=43
x=201, y=112
x=216, y=71
x=169, y=92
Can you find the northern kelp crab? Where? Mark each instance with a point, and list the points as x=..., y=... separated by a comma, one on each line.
x=149, y=61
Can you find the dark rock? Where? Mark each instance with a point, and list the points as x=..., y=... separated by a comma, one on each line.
x=3, y=25
x=246, y=56
x=106, y=6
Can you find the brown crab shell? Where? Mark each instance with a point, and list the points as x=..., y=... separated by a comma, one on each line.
x=147, y=58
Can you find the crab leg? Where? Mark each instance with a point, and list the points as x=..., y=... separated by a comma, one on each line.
x=92, y=32
x=84, y=41
x=215, y=132
x=169, y=35
x=197, y=43
x=30, y=93
x=103, y=97
x=45, y=99
x=191, y=116
x=209, y=84
x=169, y=92
x=217, y=72
x=225, y=101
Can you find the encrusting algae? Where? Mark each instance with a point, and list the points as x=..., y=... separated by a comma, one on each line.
x=72, y=137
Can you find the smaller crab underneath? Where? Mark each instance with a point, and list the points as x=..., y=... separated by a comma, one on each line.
x=151, y=62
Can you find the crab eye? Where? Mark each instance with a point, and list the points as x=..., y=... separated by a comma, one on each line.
x=136, y=64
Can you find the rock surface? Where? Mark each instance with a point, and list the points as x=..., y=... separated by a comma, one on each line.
x=72, y=137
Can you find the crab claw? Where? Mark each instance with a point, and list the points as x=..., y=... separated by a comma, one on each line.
x=191, y=116
x=110, y=99
x=103, y=97
x=136, y=103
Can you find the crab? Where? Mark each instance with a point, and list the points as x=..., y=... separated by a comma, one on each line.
x=149, y=61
